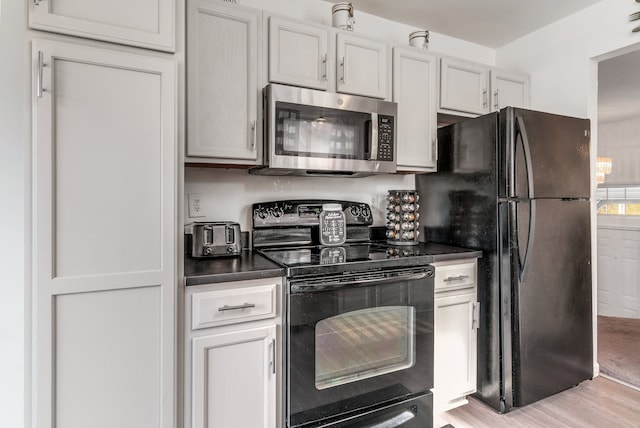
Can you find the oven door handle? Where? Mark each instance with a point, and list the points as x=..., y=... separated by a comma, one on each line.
x=332, y=285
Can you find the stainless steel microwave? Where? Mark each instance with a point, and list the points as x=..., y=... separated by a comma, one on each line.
x=309, y=132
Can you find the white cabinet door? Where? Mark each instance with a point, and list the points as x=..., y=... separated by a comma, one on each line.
x=414, y=89
x=509, y=89
x=463, y=86
x=234, y=379
x=298, y=54
x=455, y=341
x=104, y=165
x=363, y=66
x=222, y=82
x=145, y=23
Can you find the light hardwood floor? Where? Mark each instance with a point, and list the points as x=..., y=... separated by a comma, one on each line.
x=598, y=403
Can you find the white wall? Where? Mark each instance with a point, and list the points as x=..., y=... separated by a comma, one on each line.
x=229, y=193
x=559, y=57
x=620, y=142
x=14, y=152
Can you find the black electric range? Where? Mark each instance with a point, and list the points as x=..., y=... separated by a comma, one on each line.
x=286, y=232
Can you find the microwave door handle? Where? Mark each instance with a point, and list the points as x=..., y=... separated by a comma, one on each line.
x=373, y=137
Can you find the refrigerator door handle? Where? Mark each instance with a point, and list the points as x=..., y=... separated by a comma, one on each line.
x=527, y=156
x=531, y=233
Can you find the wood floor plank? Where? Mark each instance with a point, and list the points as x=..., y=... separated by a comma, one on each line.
x=596, y=403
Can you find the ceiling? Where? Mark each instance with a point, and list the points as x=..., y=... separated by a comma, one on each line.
x=495, y=23
x=491, y=23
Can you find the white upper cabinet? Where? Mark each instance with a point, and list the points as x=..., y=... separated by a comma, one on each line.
x=415, y=91
x=464, y=86
x=319, y=57
x=223, y=93
x=509, y=89
x=144, y=23
x=362, y=66
x=299, y=54
x=470, y=89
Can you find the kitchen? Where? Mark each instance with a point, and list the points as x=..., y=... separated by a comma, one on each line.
x=565, y=70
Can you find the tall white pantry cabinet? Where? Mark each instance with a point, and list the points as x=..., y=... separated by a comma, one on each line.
x=105, y=162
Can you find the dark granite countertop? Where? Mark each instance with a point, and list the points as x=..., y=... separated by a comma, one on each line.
x=248, y=265
x=251, y=265
x=441, y=252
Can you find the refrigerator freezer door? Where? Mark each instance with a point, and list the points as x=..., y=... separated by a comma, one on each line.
x=543, y=155
x=551, y=311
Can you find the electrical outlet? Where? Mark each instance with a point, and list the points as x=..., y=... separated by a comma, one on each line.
x=196, y=205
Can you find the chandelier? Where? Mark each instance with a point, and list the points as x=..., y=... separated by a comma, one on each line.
x=603, y=166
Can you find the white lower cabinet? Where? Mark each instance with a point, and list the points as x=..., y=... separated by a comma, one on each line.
x=455, y=342
x=233, y=370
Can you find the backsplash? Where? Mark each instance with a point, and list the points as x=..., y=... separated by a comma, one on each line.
x=228, y=194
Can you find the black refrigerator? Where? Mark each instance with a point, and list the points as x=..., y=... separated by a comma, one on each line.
x=515, y=184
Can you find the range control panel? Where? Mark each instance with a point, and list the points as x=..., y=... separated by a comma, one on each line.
x=307, y=213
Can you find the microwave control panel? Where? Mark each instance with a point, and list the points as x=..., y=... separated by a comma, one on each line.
x=385, y=138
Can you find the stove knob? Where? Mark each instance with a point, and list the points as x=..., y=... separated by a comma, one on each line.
x=262, y=213
x=230, y=249
x=355, y=211
x=278, y=212
x=366, y=212
x=206, y=251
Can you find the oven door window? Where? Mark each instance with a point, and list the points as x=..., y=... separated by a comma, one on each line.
x=364, y=343
x=308, y=131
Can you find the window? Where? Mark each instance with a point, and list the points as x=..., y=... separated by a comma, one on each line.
x=623, y=201
x=364, y=343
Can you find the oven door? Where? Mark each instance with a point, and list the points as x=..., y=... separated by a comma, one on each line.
x=357, y=343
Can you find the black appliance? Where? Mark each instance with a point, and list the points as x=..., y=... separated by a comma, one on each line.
x=358, y=328
x=515, y=184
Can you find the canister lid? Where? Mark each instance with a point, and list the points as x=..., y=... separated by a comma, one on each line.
x=331, y=207
x=343, y=6
x=415, y=34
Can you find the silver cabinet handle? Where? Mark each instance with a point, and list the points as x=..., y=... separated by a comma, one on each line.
x=36, y=2
x=434, y=148
x=40, y=66
x=273, y=356
x=484, y=99
x=254, y=135
x=497, y=105
x=235, y=307
x=324, y=68
x=475, y=315
x=342, y=65
x=455, y=278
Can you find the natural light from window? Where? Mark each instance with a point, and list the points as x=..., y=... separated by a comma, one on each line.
x=620, y=200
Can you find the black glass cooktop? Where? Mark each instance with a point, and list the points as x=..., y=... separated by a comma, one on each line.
x=320, y=260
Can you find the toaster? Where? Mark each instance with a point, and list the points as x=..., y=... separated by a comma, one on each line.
x=214, y=239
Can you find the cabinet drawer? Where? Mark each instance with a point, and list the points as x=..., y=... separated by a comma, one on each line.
x=455, y=276
x=229, y=306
